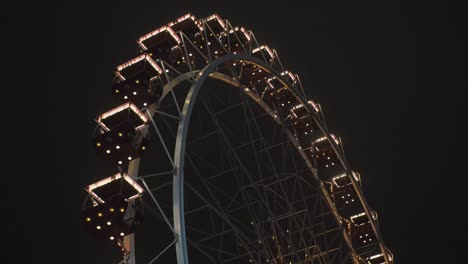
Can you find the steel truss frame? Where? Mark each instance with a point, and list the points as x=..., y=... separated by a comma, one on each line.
x=178, y=157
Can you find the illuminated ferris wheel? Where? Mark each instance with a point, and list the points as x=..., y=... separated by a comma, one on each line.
x=239, y=166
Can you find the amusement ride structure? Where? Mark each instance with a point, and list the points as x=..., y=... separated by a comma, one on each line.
x=241, y=165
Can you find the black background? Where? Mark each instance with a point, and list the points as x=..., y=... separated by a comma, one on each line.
x=389, y=75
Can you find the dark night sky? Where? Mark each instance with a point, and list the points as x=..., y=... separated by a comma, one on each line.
x=389, y=75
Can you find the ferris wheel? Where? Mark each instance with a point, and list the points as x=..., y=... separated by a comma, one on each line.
x=241, y=166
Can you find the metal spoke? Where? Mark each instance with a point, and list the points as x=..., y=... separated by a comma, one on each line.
x=160, y=138
x=238, y=231
x=162, y=252
x=289, y=206
x=166, y=114
x=157, y=174
x=237, y=159
x=159, y=207
x=258, y=130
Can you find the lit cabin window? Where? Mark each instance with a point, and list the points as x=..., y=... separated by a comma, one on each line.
x=360, y=230
x=161, y=39
x=118, y=184
x=236, y=40
x=135, y=66
x=139, y=81
x=127, y=112
x=263, y=52
x=121, y=134
x=216, y=24
x=188, y=24
x=113, y=218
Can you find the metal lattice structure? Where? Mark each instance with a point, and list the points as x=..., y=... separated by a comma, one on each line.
x=244, y=168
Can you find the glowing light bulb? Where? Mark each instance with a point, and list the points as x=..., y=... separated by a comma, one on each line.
x=98, y=227
x=111, y=238
x=98, y=144
x=108, y=151
x=88, y=219
x=109, y=223
x=117, y=147
x=99, y=214
x=125, y=97
x=122, y=234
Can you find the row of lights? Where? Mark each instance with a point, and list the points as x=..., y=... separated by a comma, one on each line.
x=349, y=195
x=98, y=144
x=108, y=151
x=134, y=93
x=112, y=237
x=109, y=223
x=99, y=214
x=137, y=82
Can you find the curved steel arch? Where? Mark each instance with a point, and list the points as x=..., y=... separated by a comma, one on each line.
x=179, y=152
x=198, y=78
x=179, y=157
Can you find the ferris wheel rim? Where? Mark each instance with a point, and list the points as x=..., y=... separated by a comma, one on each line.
x=198, y=79
x=182, y=132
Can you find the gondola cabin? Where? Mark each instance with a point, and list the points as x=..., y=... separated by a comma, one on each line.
x=139, y=80
x=112, y=212
x=121, y=135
